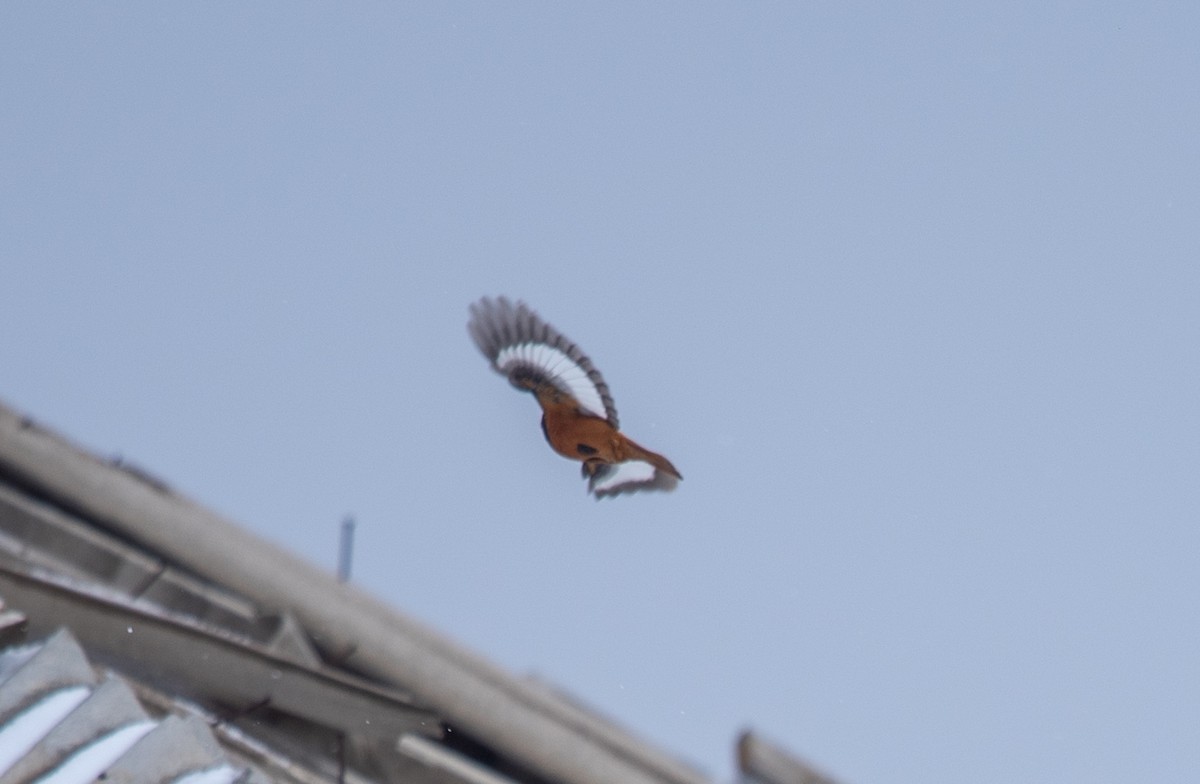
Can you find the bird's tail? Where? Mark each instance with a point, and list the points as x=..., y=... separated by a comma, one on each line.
x=638, y=452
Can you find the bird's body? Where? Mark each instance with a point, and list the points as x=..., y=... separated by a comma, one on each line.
x=572, y=394
x=577, y=435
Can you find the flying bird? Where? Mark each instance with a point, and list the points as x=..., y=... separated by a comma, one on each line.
x=579, y=419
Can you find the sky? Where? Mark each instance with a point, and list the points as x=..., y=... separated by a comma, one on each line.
x=909, y=292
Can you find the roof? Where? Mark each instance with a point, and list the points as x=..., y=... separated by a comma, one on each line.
x=132, y=615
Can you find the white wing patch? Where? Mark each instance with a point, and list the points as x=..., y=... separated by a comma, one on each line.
x=566, y=374
x=629, y=477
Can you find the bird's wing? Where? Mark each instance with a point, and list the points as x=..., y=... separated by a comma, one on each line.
x=520, y=345
x=629, y=477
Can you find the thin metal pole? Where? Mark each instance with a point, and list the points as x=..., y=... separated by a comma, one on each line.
x=345, y=549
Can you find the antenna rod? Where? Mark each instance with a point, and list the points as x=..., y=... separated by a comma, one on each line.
x=345, y=549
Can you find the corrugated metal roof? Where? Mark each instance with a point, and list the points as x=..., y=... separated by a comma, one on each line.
x=212, y=666
x=60, y=723
x=264, y=667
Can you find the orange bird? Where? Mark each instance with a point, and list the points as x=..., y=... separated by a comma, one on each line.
x=578, y=416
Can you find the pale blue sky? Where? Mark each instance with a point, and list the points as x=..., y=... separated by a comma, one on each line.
x=909, y=293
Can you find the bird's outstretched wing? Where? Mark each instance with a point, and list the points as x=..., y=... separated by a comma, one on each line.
x=522, y=347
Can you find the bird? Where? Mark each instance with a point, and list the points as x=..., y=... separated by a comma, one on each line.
x=579, y=418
